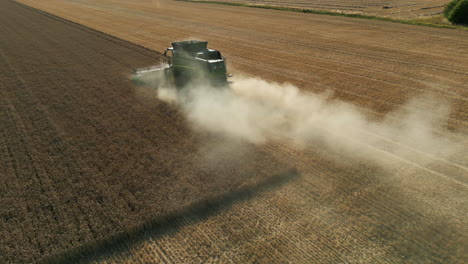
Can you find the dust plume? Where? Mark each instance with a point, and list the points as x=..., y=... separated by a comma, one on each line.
x=257, y=111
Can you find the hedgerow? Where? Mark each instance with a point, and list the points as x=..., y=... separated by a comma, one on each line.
x=457, y=11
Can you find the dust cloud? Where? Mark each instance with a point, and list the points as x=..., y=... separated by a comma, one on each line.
x=257, y=111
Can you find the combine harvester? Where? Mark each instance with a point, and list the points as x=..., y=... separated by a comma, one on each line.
x=186, y=63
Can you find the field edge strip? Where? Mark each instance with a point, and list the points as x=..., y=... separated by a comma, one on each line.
x=330, y=13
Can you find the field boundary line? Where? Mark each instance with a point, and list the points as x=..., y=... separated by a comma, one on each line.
x=330, y=13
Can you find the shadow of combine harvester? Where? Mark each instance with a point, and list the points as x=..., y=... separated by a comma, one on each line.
x=170, y=223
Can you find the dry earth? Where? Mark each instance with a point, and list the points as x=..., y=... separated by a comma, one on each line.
x=340, y=210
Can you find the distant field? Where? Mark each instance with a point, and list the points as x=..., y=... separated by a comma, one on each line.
x=403, y=9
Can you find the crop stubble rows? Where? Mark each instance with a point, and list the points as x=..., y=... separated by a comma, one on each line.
x=83, y=158
x=340, y=209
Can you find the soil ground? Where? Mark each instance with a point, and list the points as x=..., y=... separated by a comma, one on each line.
x=339, y=210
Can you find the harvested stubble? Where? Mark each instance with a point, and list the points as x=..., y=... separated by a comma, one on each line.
x=82, y=158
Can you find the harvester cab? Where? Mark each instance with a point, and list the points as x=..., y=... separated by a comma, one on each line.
x=185, y=63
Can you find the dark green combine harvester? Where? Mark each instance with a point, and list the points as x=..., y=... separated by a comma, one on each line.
x=186, y=63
